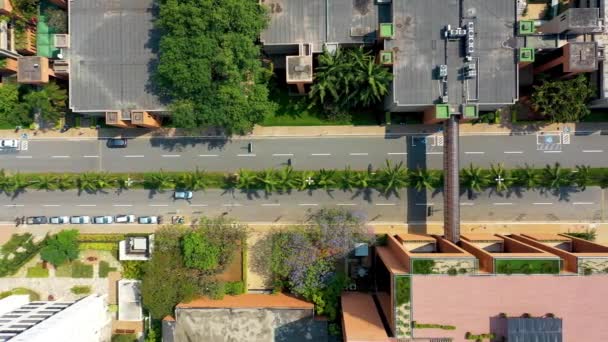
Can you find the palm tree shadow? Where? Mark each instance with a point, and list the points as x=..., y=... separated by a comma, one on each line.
x=251, y=194
x=329, y=193
x=366, y=193
x=16, y=193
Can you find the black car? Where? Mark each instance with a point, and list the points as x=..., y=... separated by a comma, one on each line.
x=36, y=220
x=117, y=143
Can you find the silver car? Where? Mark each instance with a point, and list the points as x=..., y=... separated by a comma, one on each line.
x=9, y=143
x=59, y=220
x=80, y=219
x=103, y=219
x=124, y=219
x=148, y=220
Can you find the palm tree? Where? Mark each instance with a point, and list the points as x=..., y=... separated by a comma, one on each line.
x=246, y=180
x=194, y=181
x=87, y=182
x=4, y=179
x=500, y=177
x=306, y=180
x=527, y=177
x=268, y=179
x=554, y=177
x=473, y=178
x=65, y=182
x=123, y=182
x=371, y=79
x=392, y=178
x=46, y=182
x=363, y=180
x=158, y=180
x=15, y=183
x=348, y=179
x=286, y=179
x=421, y=179
x=325, y=179
x=582, y=176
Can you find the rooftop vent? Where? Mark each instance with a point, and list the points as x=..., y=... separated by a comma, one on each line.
x=61, y=40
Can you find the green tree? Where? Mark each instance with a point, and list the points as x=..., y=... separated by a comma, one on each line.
x=247, y=180
x=527, y=177
x=268, y=180
x=306, y=180
x=10, y=110
x=15, y=183
x=193, y=181
x=392, y=177
x=49, y=101
x=554, y=177
x=348, y=179
x=92, y=182
x=500, y=177
x=45, y=182
x=473, y=178
x=158, y=180
x=324, y=179
x=563, y=100
x=61, y=247
x=57, y=19
x=582, y=177
x=286, y=179
x=199, y=252
x=421, y=179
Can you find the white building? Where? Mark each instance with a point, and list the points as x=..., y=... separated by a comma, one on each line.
x=136, y=248
x=84, y=320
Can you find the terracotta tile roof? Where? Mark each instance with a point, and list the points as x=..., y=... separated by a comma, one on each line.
x=169, y=319
x=250, y=300
x=392, y=261
x=415, y=237
x=361, y=321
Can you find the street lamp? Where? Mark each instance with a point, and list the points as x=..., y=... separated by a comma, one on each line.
x=499, y=179
x=310, y=181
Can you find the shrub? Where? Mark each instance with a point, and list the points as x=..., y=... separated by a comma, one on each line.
x=80, y=289
x=61, y=247
x=235, y=288
x=101, y=237
x=98, y=246
x=433, y=326
x=37, y=272
x=104, y=269
x=452, y=271
x=462, y=270
x=11, y=266
x=199, y=252
x=57, y=19
x=526, y=315
x=80, y=270
x=34, y=296
x=217, y=290
x=480, y=337
x=124, y=338
x=587, y=271
x=423, y=266
x=403, y=284
x=132, y=269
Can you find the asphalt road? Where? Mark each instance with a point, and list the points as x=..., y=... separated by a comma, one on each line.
x=524, y=206
x=174, y=154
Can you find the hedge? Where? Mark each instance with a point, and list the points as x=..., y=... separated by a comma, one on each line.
x=80, y=289
x=234, y=288
x=433, y=326
x=98, y=246
x=480, y=337
x=37, y=272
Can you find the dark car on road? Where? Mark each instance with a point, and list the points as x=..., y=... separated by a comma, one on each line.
x=117, y=143
x=36, y=220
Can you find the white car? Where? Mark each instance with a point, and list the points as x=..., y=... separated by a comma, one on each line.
x=59, y=220
x=147, y=220
x=9, y=143
x=103, y=219
x=80, y=219
x=125, y=219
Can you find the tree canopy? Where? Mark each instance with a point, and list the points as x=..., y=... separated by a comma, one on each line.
x=210, y=66
x=563, y=100
x=61, y=247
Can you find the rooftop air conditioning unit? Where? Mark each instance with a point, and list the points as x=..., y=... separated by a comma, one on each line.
x=61, y=66
x=61, y=40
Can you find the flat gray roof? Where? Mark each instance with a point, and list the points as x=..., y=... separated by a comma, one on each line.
x=320, y=21
x=112, y=55
x=419, y=48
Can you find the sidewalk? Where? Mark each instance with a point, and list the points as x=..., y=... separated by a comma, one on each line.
x=304, y=131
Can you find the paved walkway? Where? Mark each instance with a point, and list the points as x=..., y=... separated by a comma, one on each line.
x=294, y=131
x=57, y=287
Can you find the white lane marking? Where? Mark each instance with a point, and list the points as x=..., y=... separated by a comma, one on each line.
x=86, y=205
x=425, y=203
x=474, y=152
x=583, y=203
x=122, y=205
x=51, y=205
x=320, y=154
x=24, y=157
x=502, y=203
x=13, y=205
x=467, y=203
x=542, y=203
x=246, y=155
x=282, y=154
x=308, y=204
x=514, y=152
x=91, y=156
x=593, y=151
x=434, y=153
x=552, y=151
x=134, y=156
x=232, y=205
x=198, y=205
x=386, y=204
x=159, y=205
x=208, y=155
x=397, y=153
x=346, y=204
x=271, y=204
x=171, y=155
x=60, y=157
x=358, y=154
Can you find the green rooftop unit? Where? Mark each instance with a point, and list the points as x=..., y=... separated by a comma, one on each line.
x=526, y=55
x=386, y=57
x=387, y=30
x=442, y=111
x=470, y=112
x=526, y=27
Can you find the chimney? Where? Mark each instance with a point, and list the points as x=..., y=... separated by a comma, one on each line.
x=451, y=186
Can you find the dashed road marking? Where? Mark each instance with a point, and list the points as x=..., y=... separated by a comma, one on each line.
x=159, y=205
x=208, y=155
x=552, y=151
x=134, y=156
x=51, y=205
x=246, y=155
x=62, y=157
x=90, y=156
x=385, y=204
x=397, y=153
x=13, y=205
x=502, y=203
x=122, y=205
x=358, y=154
x=346, y=204
x=434, y=153
x=514, y=152
x=199, y=205
x=583, y=203
x=271, y=204
x=86, y=205
x=467, y=203
x=282, y=154
x=24, y=157
x=171, y=155
x=320, y=154
x=474, y=152
x=232, y=205
x=593, y=151
x=308, y=204
x=542, y=203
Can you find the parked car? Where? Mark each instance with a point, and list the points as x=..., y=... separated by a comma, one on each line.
x=103, y=219
x=125, y=219
x=182, y=194
x=148, y=220
x=117, y=143
x=80, y=219
x=59, y=220
x=9, y=143
x=36, y=220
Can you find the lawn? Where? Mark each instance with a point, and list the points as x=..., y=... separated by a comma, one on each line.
x=75, y=269
x=81, y=289
x=37, y=272
x=104, y=269
x=34, y=296
x=527, y=266
x=64, y=270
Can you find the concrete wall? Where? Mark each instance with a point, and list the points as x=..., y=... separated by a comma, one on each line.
x=514, y=246
x=486, y=261
x=398, y=248
x=584, y=246
x=570, y=263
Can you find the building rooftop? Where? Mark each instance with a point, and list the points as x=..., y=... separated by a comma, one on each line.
x=33, y=69
x=420, y=48
x=112, y=55
x=582, y=56
x=534, y=329
x=361, y=321
x=129, y=300
x=250, y=300
x=299, y=69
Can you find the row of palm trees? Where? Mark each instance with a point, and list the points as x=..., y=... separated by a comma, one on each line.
x=388, y=179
